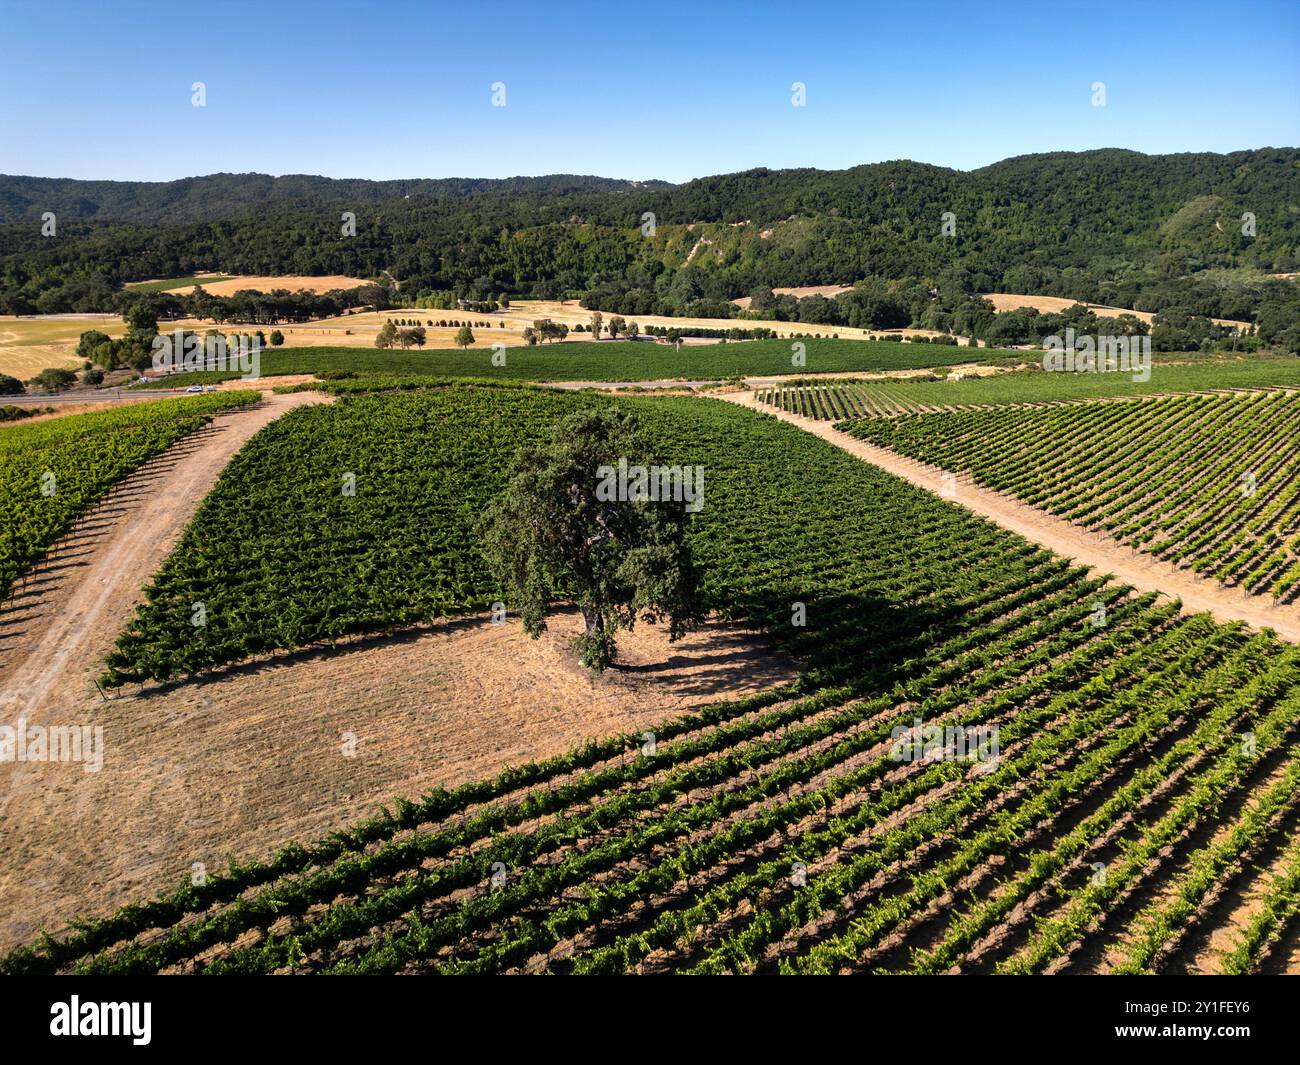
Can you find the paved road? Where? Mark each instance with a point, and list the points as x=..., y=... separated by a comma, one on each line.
x=104, y=395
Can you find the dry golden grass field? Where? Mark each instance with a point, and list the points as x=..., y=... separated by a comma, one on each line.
x=29, y=345
x=228, y=284
x=829, y=291
x=294, y=283
x=1009, y=301
x=525, y=312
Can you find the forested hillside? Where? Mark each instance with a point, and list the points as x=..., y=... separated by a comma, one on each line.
x=1199, y=233
x=216, y=196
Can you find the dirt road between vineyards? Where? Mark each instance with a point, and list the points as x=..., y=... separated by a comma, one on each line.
x=55, y=631
x=244, y=760
x=1070, y=541
x=101, y=567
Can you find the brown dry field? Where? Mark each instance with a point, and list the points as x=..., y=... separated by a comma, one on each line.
x=31, y=344
x=507, y=326
x=359, y=330
x=829, y=291
x=1009, y=301
x=293, y=282
x=525, y=312
x=248, y=759
x=501, y=327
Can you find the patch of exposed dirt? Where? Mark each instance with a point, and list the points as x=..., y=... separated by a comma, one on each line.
x=801, y=291
x=238, y=384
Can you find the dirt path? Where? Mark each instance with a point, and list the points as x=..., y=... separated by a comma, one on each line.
x=133, y=529
x=242, y=761
x=1091, y=549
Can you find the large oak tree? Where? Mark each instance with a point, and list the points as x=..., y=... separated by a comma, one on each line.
x=551, y=536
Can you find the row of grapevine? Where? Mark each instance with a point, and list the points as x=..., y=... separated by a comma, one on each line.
x=335, y=520
x=838, y=400
x=778, y=832
x=835, y=398
x=1207, y=482
x=53, y=471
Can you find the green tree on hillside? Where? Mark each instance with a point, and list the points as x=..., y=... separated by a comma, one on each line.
x=387, y=336
x=550, y=535
x=464, y=336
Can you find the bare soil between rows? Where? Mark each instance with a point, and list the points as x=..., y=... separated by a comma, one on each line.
x=1100, y=552
x=242, y=761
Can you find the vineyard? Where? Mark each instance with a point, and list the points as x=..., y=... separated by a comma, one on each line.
x=52, y=472
x=838, y=399
x=1144, y=777
x=1209, y=482
x=397, y=480
x=616, y=360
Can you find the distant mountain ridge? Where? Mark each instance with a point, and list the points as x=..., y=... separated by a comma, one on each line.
x=760, y=194
x=215, y=196
x=1195, y=231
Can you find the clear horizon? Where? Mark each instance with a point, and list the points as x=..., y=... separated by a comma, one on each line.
x=612, y=177
x=406, y=91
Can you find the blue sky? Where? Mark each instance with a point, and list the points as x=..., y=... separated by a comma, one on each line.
x=664, y=90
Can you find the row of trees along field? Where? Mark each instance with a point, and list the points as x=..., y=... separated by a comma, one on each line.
x=135, y=349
